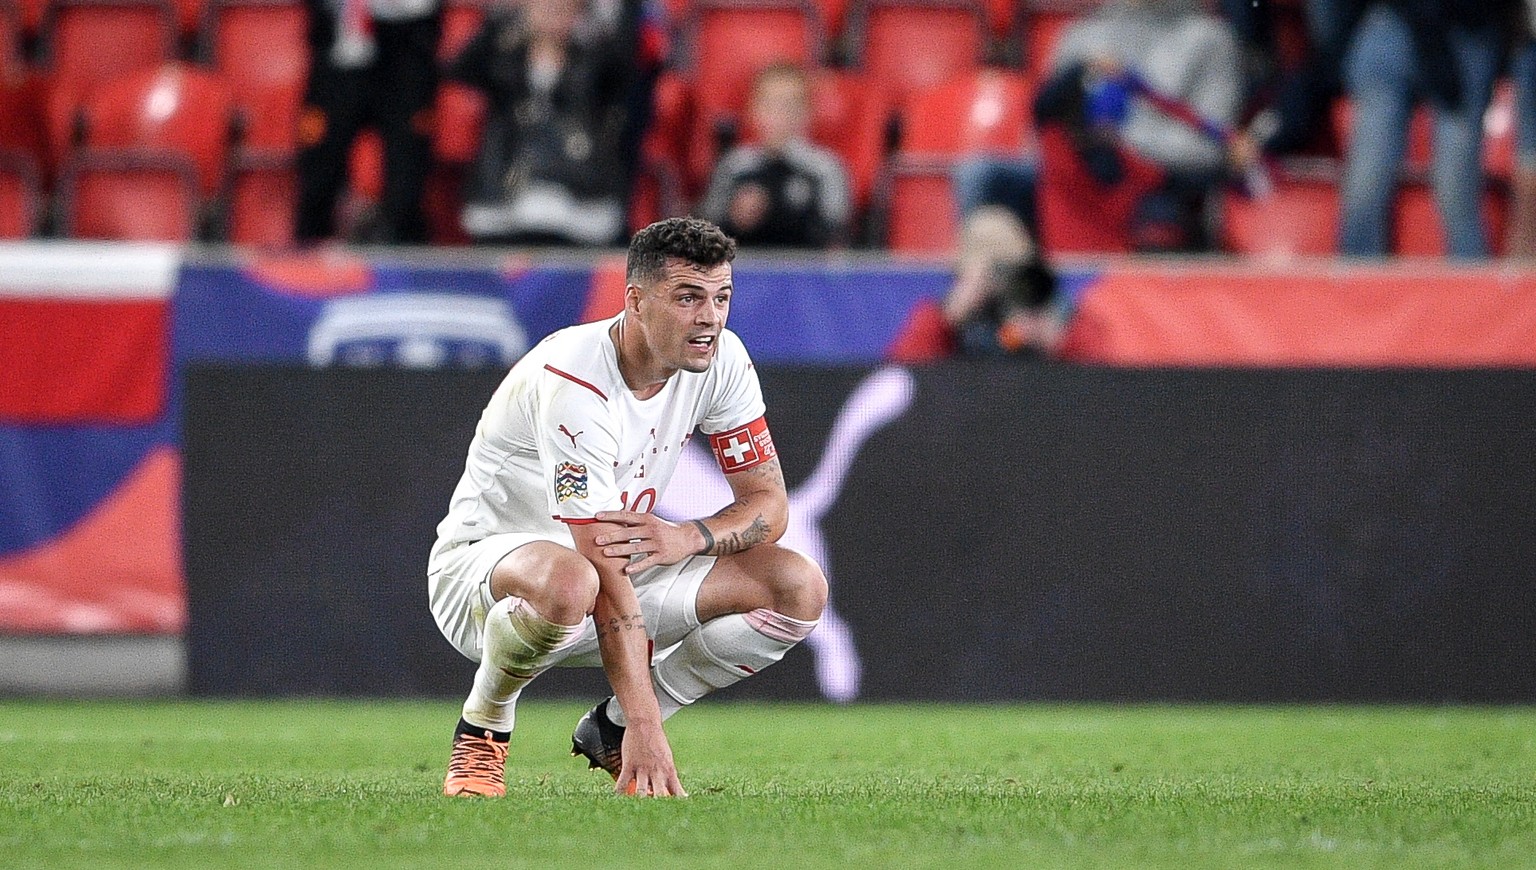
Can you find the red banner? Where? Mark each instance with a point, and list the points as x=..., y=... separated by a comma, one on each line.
x=84, y=333
x=1327, y=315
x=92, y=362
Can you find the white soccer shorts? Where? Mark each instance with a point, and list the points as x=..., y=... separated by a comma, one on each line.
x=459, y=593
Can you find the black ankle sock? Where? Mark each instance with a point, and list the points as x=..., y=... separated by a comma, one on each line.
x=477, y=731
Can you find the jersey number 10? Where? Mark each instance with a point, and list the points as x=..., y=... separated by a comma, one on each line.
x=645, y=501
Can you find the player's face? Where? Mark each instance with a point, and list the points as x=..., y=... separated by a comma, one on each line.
x=684, y=313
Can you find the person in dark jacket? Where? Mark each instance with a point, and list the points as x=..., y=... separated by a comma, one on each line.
x=373, y=62
x=551, y=168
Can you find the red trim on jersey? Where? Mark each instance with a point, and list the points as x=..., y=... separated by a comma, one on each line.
x=578, y=521
x=743, y=447
x=575, y=380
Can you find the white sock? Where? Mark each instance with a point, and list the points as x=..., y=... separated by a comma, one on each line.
x=722, y=652
x=517, y=647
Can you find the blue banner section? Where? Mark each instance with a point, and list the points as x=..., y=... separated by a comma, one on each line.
x=236, y=314
x=425, y=316
x=816, y=313
x=53, y=475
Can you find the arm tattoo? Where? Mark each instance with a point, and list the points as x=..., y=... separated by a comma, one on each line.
x=624, y=622
x=709, y=539
x=754, y=534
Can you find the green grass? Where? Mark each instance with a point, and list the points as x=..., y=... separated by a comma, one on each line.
x=340, y=784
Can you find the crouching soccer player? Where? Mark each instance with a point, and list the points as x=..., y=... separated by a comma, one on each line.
x=550, y=555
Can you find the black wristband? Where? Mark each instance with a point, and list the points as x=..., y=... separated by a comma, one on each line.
x=709, y=540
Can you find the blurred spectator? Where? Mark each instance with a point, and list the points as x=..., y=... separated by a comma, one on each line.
x=640, y=29
x=1522, y=217
x=1004, y=299
x=372, y=62
x=1445, y=52
x=1149, y=86
x=1006, y=182
x=552, y=168
x=782, y=190
x=1296, y=102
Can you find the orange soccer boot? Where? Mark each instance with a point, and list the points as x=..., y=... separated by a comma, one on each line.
x=478, y=766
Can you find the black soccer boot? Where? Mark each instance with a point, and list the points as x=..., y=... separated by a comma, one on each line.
x=599, y=740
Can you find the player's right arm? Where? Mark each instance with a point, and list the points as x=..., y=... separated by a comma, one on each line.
x=578, y=446
x=625, y=646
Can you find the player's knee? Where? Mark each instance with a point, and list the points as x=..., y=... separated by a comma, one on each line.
x=799, y=586
x=571, y=590
x=557, y=582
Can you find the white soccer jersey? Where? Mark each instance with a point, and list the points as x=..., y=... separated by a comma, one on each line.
x=564, y=438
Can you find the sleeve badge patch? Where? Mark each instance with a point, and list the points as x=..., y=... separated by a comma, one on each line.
x=570, y=481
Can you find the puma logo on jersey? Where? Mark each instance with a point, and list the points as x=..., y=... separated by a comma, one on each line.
x=567, y=433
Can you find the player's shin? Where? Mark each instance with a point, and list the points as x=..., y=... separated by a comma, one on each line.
x=519, y=644
x=725, y=650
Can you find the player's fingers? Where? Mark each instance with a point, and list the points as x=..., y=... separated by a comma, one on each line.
x=624, y=518
x=639, y=565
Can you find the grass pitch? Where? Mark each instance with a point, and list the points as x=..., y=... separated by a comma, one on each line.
x=342, y=784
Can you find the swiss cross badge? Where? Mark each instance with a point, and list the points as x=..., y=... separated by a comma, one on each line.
x=743, y=447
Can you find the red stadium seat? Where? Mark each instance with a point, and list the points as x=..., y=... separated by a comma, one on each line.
x=442, y=204
x=259, y=47
x=1499, y=132
x=128, y=196
x=1041, y=27
x=189, y=16
x=365, y=181
x=917, y=206
x=20, y=195
x=834, y=18
x=12, y=63
x=982, y=112
x=729, y=41
x=29, y=16
x=461, y=21
x=263, y=195
x=22, y=129
x=175, y=108
x=1300, y=218
x=911, y=44
x=459, y=122
x=849, y=114
x=458, y=114
x=91, y=41
x=671, y=117
x=87, y=42
x=1002, y=17
x=365, y=165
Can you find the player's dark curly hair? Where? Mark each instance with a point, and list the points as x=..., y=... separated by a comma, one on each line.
x=691, y=239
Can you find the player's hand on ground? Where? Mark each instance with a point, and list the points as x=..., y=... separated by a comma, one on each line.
x=647, y=769
x=660, y=542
